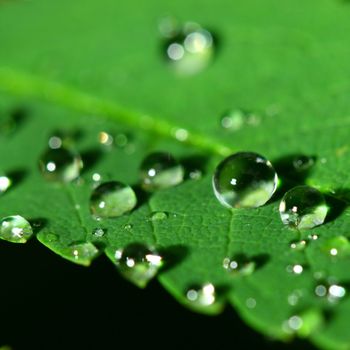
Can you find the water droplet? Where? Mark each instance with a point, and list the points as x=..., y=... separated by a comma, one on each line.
x=128, y=227
x=138, y=263
x=240, y=265
x=160, y=170
x=83, y=252
x=303, y=207
x=299, y=245
x=112, y=199
x=296, y=269
x=158, y=216
x=5, y=183
x=195, y=174
x=244, y=179
x=15, y=229
x=180, y=134
x=51, y=237
x=60, y=164
x=98, y=232
x=303, y=163
x=303, y=324
x=105, y=138
x=190, y=49
x=96, y=177
x=337, y=246
x=201, y=296
x=250, y=303
x=235, y=119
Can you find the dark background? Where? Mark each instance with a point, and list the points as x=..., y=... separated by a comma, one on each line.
x=50, y=303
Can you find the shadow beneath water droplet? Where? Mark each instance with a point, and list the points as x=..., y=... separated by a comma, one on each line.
x=38, y=224
x=141, y=195
x=193, y=163
x=90, y=158
x=173, y=255
x=337, y=202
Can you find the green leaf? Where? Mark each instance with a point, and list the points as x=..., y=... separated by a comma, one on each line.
x=74, y=65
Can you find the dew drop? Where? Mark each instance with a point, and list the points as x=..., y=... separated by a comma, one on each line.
x=160, y=170
x=239, y=265
x=138, y=263
x=5, y=183
x=158, y=216
x=15, y=229
x=250, y=303
x=235, y=119
x=244, y=179
x=303, y=207
x=60, y=164
x=105, y=138
x=202, y=295
x=83, y=252
x=98, y=232
x=303, y=163
x=128, y=227
x=190, y=49
x=112, y=199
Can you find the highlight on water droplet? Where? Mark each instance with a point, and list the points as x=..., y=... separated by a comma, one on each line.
x=303, y=207
x=5, y=183
x=98, y=232
x=81, y=253
x=128, y=227
x=201, y=296
x=244, y=179
x=189, y=49
x=60, y=164
x=160, y=170
x=15, y=229
x=297, y=269
x=138, y=263
x=235, y=119
x=239, y=265
x=112, y=199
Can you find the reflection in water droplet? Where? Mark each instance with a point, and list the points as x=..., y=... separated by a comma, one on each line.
x=96, y=177
x=158, y=216
x=60, y=164
x=112, y=199
x=190, y=49
x=138, y=263
x=160, y=170
x=303, y=207
x=239, y=265
x=5, y=183
x=298, y=245
x=15, y=229
x=244, y=179
x=98, y=232
x=201, y=296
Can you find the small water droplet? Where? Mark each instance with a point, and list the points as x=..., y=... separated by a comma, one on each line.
x=128, y=227
x=244, y=179
x=190, y=49
x=202, y=295
x=138, y=263
x=296, y=269
x=83, y=252
x=303, y=163
x=112, y=199
x=298, y=245
x=235, y=119
x=158, y=216
x=337, y=246
x=160, y=170
x=105, y=138
x=55, y=142
x=195, y=174
x=60, y=164
x=98, y=232
x=303, y=207
x=96, y=177
x=5, y=183
x=240, y=265
x=51, y=237
x=250, y=303
x=15, y=229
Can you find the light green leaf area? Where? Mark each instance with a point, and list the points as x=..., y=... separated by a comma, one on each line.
x=95, y=66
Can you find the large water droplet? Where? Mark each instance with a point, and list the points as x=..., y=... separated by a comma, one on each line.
x=138, y=263
x=244, y=179
x=235, y=119
x=15, y=229
x=160, y=170
x=201, y=295
x=112, y=199
x=303, y=207
x=60, y=164
x=239, y=265
x=190, y=49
